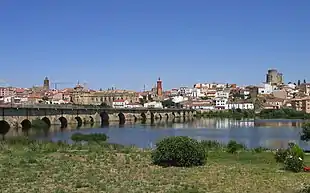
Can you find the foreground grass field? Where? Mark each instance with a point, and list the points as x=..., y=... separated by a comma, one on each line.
x=60, y=168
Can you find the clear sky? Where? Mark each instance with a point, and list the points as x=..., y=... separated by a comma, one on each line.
x=129, y=43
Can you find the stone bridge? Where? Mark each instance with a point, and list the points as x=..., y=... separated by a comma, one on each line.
x=18, y=117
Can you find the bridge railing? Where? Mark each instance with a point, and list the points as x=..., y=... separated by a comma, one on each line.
x=74, y=106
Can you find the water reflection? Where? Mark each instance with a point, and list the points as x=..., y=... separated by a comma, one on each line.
x=266, y=133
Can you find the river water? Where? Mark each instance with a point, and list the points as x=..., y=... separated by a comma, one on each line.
x=271, y=134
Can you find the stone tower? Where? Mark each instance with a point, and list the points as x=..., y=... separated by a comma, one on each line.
x=46, y=84
x=159, y=88
x=274, y=77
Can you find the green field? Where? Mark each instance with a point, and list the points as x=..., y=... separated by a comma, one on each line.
x=47, y=167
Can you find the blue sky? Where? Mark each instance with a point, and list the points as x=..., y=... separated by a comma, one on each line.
x=127, y=44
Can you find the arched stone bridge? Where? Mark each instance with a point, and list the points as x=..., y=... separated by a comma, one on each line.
x=22, y=117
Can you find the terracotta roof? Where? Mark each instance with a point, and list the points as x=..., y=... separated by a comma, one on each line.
x=119, y=100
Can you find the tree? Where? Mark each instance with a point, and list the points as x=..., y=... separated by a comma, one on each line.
x=168, y=103
x=104, y=105
x=298, y=83
x=142, y=101
x=306, y=132
x=305, y=81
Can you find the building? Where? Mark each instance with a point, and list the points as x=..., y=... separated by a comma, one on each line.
x=273, y=77
x=46, y=84
x=282, y=94
x=7, y=91
x=265, y=89
x=86, y=97
x=305, y=88
x=159, y=88
x=153, y=104
x=274, y=103
x=240, y=105
x=119, y=103
x=221, y=103
x=134, y=105
x=302, y=104
x=222, y=94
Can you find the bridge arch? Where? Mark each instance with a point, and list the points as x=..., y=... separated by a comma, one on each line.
x=47, y=121
x=104, y=117
x=26, y=125
x=135, y=118
x=4, y=128
x=91, y=119
x=143, y=115
x=63, y=122
x=79, y=121
x=160, y=116
x=122, y=118
x=173, y=114
x=152, y=116
x=167, y=116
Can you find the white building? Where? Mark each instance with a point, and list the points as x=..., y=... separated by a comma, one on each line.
x=153, y=104
x=185, y=91
x=222, y=94
x=119, y=103
x=134, y=105
x=221, y=103
x=196, y=93
x=240, y=105
x=179, y=99
x=266, y=89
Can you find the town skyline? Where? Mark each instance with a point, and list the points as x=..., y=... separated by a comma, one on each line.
x=131, y=44
x=56, y=84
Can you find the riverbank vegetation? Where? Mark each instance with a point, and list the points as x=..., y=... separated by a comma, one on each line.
x=284, y=113
x=36, y=166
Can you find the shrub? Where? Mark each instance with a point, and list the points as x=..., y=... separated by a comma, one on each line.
x=294, y=163
x=233, y=146
x=179, y=151
x=281, y=155
x=296, y=151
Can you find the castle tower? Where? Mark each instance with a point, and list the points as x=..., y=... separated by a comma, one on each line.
x=159, y=88
x=46, y=84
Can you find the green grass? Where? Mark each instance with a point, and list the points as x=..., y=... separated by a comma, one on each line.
x=62, y=168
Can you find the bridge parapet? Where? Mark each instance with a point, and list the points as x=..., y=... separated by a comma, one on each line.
x=63, y=115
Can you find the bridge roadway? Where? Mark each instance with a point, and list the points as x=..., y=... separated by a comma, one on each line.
x=22, y=115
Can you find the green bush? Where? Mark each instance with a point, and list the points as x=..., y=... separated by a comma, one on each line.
x=296, y=151
x=293, y=163
x=281, y=155
x=93, y=137
x=306, y=132
x=233, y=146
x=179, y=151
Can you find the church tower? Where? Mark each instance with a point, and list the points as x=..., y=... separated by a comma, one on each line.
x=46, y=84
x=159, y=88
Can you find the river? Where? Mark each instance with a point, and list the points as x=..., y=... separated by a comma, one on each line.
x=271, y=134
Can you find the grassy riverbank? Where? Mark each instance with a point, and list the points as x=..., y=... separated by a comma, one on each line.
x=48, y=167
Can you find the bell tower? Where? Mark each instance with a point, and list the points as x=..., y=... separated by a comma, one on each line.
x=159, y=88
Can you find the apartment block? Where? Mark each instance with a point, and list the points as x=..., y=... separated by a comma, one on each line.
x=302, y=104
